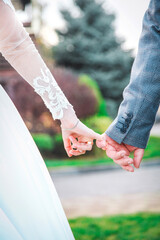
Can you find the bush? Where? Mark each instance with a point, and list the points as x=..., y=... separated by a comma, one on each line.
x=98, y=123
x=50, y=146
x=30, y=106
x=80, y=95
x=101, y=106
x=44, y=142
x=59, y=150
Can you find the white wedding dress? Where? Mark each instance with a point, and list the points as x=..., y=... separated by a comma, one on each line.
x=29, y=205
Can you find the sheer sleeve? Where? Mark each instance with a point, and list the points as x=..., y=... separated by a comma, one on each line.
x=19, y=50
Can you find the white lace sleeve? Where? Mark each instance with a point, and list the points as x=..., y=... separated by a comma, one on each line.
x=19, y=50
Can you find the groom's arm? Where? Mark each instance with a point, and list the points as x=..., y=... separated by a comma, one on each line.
x=137, y=112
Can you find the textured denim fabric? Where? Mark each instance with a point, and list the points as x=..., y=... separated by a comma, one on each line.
x=141, y=98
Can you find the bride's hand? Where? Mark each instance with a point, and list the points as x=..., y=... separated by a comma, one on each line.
x=77, y=137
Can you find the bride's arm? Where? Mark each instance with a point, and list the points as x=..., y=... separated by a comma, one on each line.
x=19, y=50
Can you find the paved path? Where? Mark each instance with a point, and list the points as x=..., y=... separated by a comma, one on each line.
x=110, y=192
x=155, y=131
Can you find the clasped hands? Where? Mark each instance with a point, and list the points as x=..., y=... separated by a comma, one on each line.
x=80, y=139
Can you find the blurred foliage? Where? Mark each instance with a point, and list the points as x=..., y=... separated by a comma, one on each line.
x=50, y=145
x=78, y=162
x=88, y=81
x=142, y=226
x=59, y=147
x=98, y=123
x=43, y=141
x=31, y=107
x=79, y=93
x=153, y=148
x=88, y=45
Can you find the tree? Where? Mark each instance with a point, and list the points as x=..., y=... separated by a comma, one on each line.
x=88, y=45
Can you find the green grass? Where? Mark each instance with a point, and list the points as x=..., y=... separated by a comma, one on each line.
x=153, y=148
x=142, y=226
x=152, y=151
x=77, y=163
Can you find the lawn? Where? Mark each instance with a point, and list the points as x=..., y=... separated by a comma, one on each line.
x=142, y=226
x=152, y=152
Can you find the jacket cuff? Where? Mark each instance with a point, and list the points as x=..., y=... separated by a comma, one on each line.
x=130, y=130
x=127, y=140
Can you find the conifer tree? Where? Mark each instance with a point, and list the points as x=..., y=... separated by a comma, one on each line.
x=88, y=44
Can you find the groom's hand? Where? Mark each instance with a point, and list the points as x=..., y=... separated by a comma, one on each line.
x=120, y=152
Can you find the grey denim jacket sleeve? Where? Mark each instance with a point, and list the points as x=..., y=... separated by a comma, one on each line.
x=137, y=112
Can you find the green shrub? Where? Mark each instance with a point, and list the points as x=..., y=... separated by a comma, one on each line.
x=88, y=81
x=44, y=142
x=98, y=123
x=81, y=95
x=59, y=150
x=103, y=108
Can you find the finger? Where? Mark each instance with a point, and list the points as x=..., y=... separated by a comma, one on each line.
x=124, y=161
x=87, y=132
x=114, y=154
x=101, y=144
x=138, y=155
x=85, y=140
x=128, y=168
x=80, y=145
x=92, y=134
x=73, y=140
x=67, y=146
x=76, y=153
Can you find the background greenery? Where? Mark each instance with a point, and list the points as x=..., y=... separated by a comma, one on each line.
x=88, y=45
x=142, y=226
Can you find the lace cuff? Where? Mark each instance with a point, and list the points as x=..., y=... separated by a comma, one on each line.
x=19, y=50
x=54, y=99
